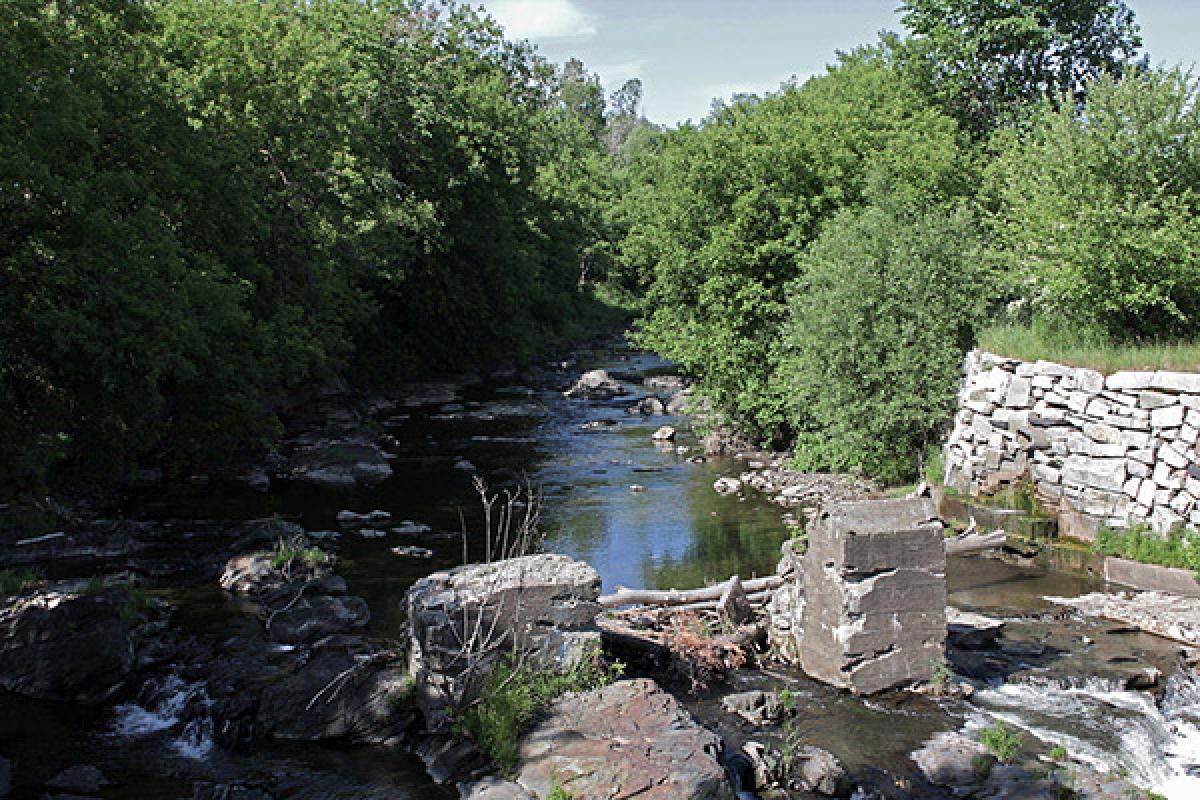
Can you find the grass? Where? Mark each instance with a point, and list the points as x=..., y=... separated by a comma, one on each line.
x=558, y=792
x=515, y=693
x=1180, y=548
x=1001, y=741
x=16, y=581
x=286, y=552
x=1030, y=343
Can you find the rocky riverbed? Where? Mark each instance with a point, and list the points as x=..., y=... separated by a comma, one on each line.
x=164, y=656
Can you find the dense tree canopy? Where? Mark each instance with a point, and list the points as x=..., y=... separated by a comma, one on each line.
x=212, y=202
x=985, y=59
x=209, y=205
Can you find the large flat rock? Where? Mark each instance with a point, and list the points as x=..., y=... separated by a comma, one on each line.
x=627, y=740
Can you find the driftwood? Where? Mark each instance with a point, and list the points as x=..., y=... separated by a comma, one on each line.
x=675, y=597
x=974, y=543
x=654, y=646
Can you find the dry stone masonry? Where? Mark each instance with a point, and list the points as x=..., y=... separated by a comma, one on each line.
x=875, y=586
x=1110, y=449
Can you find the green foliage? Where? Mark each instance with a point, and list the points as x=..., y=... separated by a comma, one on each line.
x=1097, y=210
x=16, y=581
x=935, y=465
x=208, y=204
x=1179, y=548
x=871, y=355
x=719, y=220
x=287, y=552
x=558, y=792
x=1001, y=741
x=942, y=674
x=1058, y=753
x=983, y=61
x=514, y=693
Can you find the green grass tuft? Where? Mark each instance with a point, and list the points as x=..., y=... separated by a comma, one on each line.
x=1180, y=548
x=513, y=696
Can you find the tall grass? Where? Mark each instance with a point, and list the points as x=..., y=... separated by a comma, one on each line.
x=1079, y=348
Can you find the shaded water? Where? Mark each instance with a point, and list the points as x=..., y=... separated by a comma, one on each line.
x=676, y=532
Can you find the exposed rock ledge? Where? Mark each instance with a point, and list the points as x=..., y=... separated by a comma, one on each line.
x=1153, y=612
x=630, y=739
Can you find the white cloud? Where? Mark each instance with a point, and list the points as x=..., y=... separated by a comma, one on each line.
x=542, y=19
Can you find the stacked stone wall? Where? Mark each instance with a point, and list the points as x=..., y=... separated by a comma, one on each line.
x=1112, y=450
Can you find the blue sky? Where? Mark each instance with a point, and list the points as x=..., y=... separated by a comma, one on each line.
x=689, y=51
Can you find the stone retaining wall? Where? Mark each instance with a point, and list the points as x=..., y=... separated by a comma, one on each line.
x=1098, y=450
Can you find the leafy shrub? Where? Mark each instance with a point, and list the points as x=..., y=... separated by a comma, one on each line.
x=1001, y=741
x=1099, y=208
x=871, y=355
x=514, y=693
x=721, y=218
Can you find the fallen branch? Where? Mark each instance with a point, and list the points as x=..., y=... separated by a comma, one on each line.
x=675, y=597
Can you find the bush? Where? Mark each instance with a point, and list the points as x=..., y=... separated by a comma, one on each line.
x=1098, y=208
x=871, y=355
x=1001, y=741
x=512, y=696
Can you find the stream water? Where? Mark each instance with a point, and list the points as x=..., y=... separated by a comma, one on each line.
x=674, y=532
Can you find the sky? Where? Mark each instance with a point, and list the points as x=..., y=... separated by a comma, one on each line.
x=688, y=52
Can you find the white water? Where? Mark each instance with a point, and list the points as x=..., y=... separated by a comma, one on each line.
x=164, y=712
x=1112, y=729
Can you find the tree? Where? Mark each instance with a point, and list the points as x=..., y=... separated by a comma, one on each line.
x=878, y=324
x=583, y=96
x=624, y=115
x=721, y=218
x=1100, y=207
x=984, y=59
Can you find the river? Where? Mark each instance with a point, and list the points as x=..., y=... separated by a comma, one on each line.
x=673, y=531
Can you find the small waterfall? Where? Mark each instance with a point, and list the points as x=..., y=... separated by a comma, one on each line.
x=170, y=704
x=1110, y=728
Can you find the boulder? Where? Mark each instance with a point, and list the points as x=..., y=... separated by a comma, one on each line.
x=949, y=759
x=629, y=739
x=346, y=690
x=875, y=595
x=727, y=485
x=79, y=779
x=648, y=407
x=461, y=620
x=493, y=789
x=972, y=631
x=664, y=434
x=341, y=463
x=757, y=707
x=309, y=618
x=61, y=646
x=595, y=385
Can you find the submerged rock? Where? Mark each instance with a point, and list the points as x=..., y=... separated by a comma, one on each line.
x=341, y=463
x=727, y=485
x=630, y=739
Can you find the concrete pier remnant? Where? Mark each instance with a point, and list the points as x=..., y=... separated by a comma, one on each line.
x=875, y=580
